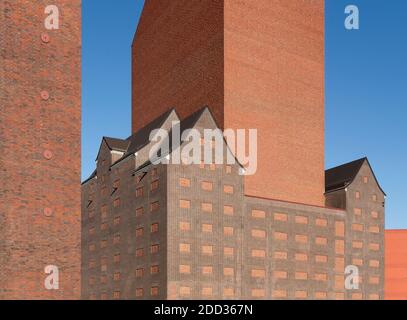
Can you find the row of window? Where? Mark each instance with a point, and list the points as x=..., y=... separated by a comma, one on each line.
x=359, y=212
x=185, y=291
x=358, y=196
x=205, y=185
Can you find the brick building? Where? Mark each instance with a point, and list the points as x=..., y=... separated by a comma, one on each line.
x=40, y=123
x=171, y=231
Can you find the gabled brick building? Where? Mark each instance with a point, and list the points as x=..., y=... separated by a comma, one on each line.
x=189, y=232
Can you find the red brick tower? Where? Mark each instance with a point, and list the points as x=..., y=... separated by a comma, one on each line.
x=256, y=64
x=40, y=121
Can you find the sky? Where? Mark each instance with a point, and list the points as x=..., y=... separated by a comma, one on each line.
x=365, y=87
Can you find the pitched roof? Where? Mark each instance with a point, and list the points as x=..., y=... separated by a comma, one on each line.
x=116, y=144
x=342, y=176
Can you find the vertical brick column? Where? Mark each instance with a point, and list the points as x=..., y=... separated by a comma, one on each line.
x=40, y=121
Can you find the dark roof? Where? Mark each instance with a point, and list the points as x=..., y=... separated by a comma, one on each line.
x=116, y=144
x=342, y=176
x=93, y=175
x=142, y=137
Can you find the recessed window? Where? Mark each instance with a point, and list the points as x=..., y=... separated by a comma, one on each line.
x=139, y=192
x=301, y=220
x=322, y=241
x=228, y=189
x=139, y=273
x=155, y=248
x=184, y=182
x=154, y=185
x=154, y=172
x=300, y=238
x=154, y=228
x=228, y=169
x=139, y=212
x=92, y=247
x=116, y=276
x=91, y=231
x=207, y=270
x=184, y=248
x=116, y=258
x=103, y=212
x=207, y=250
x=228, y=251
x=154, y=206
x=228, y=210
x=206, y=207
x=116, y=184
x=184, y=269
x=184, y=226
x=260, y=214
x=365, y=179
x=280, y=274
x=139, y=292
x=103, y=243
x=116, y=239
x=228, y=231
x=116, y=203
x=207, y=186
x=258, y=253
x=257, y=233
x=280, y=217
x=374, y=198
x=154, y=291
x=228, y=271
x=206, y=227
x=154, y=269
x=139, y=252
x=258, y=273
x=116, y=221
x=185, y=204
x=357, y=195
x=321, y=222
x=139, y=232
x=103, y=226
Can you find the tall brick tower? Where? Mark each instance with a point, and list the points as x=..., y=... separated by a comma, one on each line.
x=40, y=121
x=256, y=64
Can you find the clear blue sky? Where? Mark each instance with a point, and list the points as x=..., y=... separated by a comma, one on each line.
x=366, y=87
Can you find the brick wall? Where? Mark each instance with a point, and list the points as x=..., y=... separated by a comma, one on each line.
x=40, y=121
x=256, y=64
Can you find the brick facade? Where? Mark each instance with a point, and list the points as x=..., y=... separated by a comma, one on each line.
x=40, y=121
x=257, y=64
x=216, y=243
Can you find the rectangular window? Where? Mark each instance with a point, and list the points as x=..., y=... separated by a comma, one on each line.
x=207, y=250
x=357, y=227
x=301, y=275
x=92, y=247
x=155, y=269
x=339, y=229
x=319, y=222
x=258, y=273
x=357, y=244
x=280, y=236
x=140, y=252
x=116, y=203
x=139, y=192
x=207, y=291
x=154, y=228
x=357, y=195
x=207, y=186
x=280, y=274
x=139, y=212
x=300, y=238
x=257, y=233
x=184, y=248
x=155, y=248
x=321, y=259
x=322, y=241
x=228, y=231
x=116, y=184
x=320, y=277
x=185, y=291
x=301, y=257
x=116, y=221
x=139, y=292
x=258, y=253
x=375, y=214
x=207, y=270
x=184, y=269
x=357, y=211
x=116, y=258
x=103, y=226
x=184, y=204
x=103, y=243
x=374, y=263
x=357, y=262
x=301, y=220
x=154, y=185
x=139, y=232
x=154, y=206
x=259, y=214
x=374, y=247
x=139, y=273
x=91, y=231
x=228, y=210
x=184, y=182
x=206, y=207
x=116, y=276
x=280, y=217
x=228, y=272
x=228, y=251
x=206, y=227
x=228, y=169
x=374, y=229
x=228, y=189
x=116, y=239
x=103, y=212
x=184, y=226
x=154, y=291
x=339, y=247
x=154, y=173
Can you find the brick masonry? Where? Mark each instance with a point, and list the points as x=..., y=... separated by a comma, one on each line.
x=257, y=64
x=40, y=121
x=215, y=242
